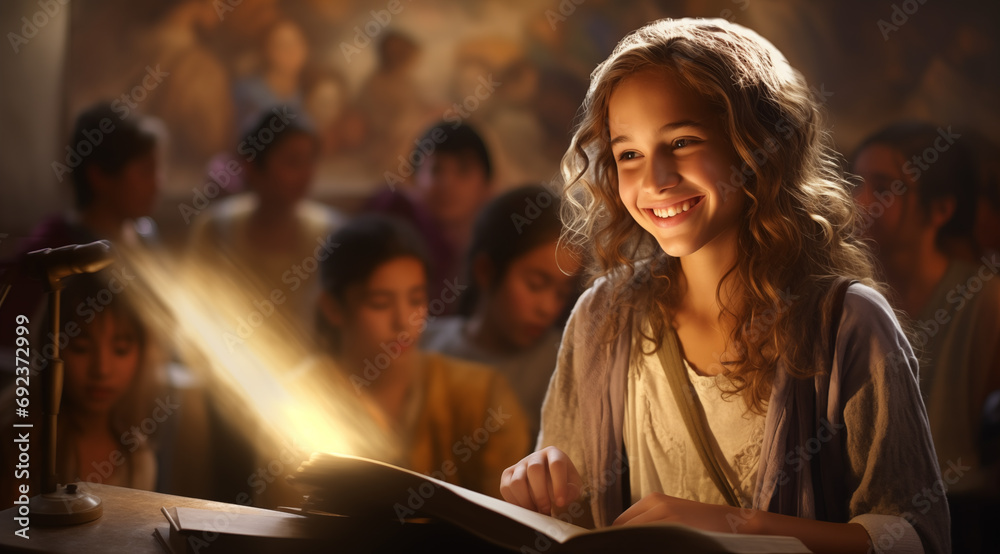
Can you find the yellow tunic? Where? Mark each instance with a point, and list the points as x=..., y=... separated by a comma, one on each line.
x=470, y=426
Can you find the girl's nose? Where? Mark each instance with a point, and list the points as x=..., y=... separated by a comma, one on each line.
x=663, y=169
x=404, y=316
x=399, y=318
x=548, y=305
x=415, y=319
x=98, y=367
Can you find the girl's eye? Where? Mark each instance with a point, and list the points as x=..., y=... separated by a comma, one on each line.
x=535, y=284
x=682, y=142
x=124, y=348
x=379, y=304
x=125, y=342
x=628, y=155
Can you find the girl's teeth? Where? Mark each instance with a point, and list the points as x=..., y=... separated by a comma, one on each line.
x=664, y=213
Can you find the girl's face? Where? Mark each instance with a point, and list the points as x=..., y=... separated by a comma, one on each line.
x=674, y=161
x=100, y=364
x=288, y=170
x=532, y=294
x=387, y=313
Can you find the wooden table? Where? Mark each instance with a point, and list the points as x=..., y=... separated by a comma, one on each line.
x=126, y=526
x=130, y=516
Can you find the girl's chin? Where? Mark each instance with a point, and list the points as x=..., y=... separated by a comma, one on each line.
x=390, y=353
x=676, y=248
x=528, y=336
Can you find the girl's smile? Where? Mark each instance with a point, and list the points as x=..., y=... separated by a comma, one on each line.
x=674, y=213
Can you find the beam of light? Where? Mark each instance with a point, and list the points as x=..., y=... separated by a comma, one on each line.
x=264, y=374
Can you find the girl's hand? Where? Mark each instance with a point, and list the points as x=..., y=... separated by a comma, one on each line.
x=541, y=481
x=657, y=507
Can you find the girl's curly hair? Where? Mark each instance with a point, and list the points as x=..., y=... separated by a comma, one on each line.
x=800, y=227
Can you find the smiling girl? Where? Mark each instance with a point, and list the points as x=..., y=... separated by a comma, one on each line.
x=734, y=366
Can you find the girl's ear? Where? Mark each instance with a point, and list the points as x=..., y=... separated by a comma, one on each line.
x=483, y=271
x=332, y=310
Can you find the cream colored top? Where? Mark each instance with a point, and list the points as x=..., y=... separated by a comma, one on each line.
x=663, y=458
x=872, y=393
x=292, y=274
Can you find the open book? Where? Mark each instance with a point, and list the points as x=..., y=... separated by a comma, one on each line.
x=367, y=489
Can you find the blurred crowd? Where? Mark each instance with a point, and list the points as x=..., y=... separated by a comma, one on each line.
x=452, y=294
x=453, y=290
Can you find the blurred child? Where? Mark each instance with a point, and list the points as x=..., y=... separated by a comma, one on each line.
x=272, y=234
x=919, y=193
x=115, y=181
x=450, y=183
x=283, y=55
x=729, y=369
x=519, y=284
x=109, y=392
x=455, y=419
x=987, y=230
x=390, y=102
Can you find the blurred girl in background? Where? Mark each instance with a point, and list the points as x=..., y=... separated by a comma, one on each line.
x=520, y=282
x=456, y=420
x=109, y=392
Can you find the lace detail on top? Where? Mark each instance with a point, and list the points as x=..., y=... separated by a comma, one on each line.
x=662, y=456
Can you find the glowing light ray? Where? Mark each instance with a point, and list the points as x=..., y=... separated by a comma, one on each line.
x=269, y=380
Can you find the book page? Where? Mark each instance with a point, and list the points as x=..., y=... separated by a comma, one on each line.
x=679, y=537
x=555, y=528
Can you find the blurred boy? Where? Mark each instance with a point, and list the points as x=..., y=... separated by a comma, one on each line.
x=451, y=180
x=919, y=198
x=113, y=164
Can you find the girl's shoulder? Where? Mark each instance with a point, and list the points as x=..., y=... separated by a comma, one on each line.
x=612, y=287
x=594, y=304
x=866, y=307
x=870, y=339
x=866, y=316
